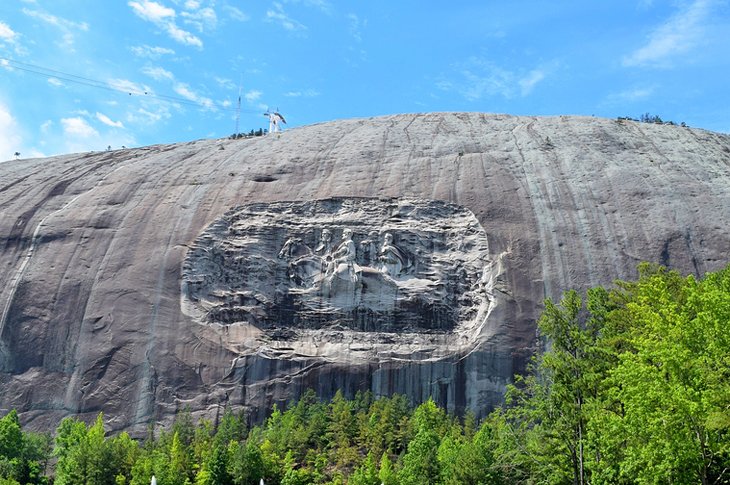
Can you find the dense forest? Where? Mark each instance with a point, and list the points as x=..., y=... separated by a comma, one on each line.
x=631, y=385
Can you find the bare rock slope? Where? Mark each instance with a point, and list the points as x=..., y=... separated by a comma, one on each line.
x=406, y=254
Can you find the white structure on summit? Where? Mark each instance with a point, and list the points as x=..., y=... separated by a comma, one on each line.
x=274, y=119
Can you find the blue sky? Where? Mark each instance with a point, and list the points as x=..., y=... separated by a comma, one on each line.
x=78, y=75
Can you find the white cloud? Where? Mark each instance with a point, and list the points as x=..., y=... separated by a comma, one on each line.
x=308, y=93
x=356, y=26
x=78, y=128
x=54, y=82
x=151, y=52
x=184, y=90
x=183, y=36
x=278, y=15
x=152, y=11
x=677, y=36
x=164, y=18
x=10, y=139
x=235, y=13
x=645, y=4
x=225, y=83
x=56, y=21
x=633, y=94
x=69, y=28
x=322, y=5
x=146, y=117
x=126, y=86
x=252, y=95
x=158, y=73
x=477, y=78
x=77, y=135
x=107, y=121
x=528, y=83
x=6, y=33
x=202, y=19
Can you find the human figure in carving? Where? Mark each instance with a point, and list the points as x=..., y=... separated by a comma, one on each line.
x=342, y=263
x=392, y=260
x=324, y=247
x=369, y=250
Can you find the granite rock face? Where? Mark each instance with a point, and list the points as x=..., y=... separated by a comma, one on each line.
x=406, y=253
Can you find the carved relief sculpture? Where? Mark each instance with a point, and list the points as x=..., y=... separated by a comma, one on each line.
x=256, y=266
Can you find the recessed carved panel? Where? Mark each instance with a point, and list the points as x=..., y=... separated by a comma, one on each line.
x=352, y=264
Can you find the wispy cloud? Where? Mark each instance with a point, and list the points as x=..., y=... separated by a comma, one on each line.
x=55, y=82
x=279, y=16
x=356, y=26
x=645, y=4
x=321, y=5
x=307, y=93
x=202, y=19
x=11, y=39
x=7, y=34
x=183, y=36
x=235, y=13
x=477, y=78
x=151, y=52
x=157, y=73
x=108, y=121
x=69, y=28
x=128, y=86
x=77, y=134
x=632, y=94
x=78, y=128
x=186, y=92
x=149, y=115
x=677, y=36
x=152, y=11
x=528, y=83
x=10, y=139
x=164, y=18
x=225, y=83
x=56, y=21
x=252, y=96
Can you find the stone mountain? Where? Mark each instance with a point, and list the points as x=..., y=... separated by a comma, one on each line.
x=407, y=253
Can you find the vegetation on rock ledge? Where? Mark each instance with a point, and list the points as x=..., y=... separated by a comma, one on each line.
x=632, y=386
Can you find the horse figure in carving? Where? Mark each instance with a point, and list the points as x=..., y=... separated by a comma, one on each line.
x=305, y=268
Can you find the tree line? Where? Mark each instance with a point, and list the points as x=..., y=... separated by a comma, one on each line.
x=631, y=385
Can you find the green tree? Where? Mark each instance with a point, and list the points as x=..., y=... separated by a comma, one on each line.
x=71, y=453
x=386, y=472
x=366, y=473
x=247, y=465
x=673, y=378
x=420, y=463
x=11, y=436
x=342, y=428
x=545, y=425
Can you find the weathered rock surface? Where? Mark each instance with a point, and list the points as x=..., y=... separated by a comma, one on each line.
x=141, y=281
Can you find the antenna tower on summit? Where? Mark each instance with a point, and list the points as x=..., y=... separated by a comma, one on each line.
x=238, y=106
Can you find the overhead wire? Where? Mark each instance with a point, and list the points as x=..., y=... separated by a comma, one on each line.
x=84, y=81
